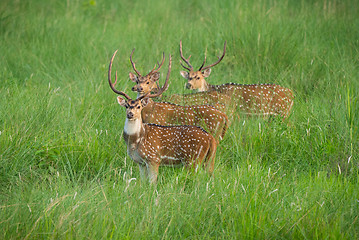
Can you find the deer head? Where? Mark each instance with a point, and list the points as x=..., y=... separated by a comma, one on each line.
x=147, y=83
x=196, y=79
x=134, y=107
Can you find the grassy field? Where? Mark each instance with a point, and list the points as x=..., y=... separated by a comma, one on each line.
x=64, y=172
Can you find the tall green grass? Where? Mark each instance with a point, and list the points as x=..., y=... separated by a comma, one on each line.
x=64, y=172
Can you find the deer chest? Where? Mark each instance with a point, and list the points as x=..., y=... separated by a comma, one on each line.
x=133, y=148
x=135, y=155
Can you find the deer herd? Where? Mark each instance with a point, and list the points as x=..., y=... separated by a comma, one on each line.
x=186, y=129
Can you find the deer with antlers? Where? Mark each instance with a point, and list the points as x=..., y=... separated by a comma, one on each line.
x=145, y=84
x=168, y=114
x=254, y=99
x=149, y=83
x=152, y=145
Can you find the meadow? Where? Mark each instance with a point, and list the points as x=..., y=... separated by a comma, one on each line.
x=64, y=170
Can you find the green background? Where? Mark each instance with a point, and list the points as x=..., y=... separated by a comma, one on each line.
x=64, y=172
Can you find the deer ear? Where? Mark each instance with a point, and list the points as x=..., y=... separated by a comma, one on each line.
x=206, y=72
x=144, y=102
x=121, y=101
x=155, y=76
x=133, y=77
x=184, y=74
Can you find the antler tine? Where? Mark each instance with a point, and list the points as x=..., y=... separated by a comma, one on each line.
x=112, y=85
x=133, y=64
x=204, y=61
x=159, y=65
x=219, y=59
x=165, y=85
x=185, y=67
x=163, y=60
x=152, y=71
x=185, y=60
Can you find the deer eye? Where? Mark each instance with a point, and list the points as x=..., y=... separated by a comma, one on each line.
x=138, y=107
x=147, y=82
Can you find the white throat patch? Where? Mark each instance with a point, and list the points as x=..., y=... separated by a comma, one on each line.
x=132, y=127
x=204, y=87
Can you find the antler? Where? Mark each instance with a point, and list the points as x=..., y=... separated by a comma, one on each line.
x=112, y=85
x=165, y=85
x=204, y=61
x=185, y=60
x=153, y=70
x=219, y=59
x=133, y=64
x=159, y=65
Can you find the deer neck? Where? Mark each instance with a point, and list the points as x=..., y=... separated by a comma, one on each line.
x=133, y=127
x=133, y=134
x=147, y=110
x=205, y=87
x=150, y=103
x=215, y=87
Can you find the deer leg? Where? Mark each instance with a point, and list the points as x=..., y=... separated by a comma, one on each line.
x=217, y=134
x=209, y=158
x=224, y=127
x=191, y=163
x=143, y=171
x=152, y=169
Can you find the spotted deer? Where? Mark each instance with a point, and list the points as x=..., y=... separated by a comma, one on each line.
x=147, y=83
x=169, y=114
x=152, y=145
x=253, y=99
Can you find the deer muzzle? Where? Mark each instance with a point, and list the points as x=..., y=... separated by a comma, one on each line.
x=188, y=86
x=130, y=115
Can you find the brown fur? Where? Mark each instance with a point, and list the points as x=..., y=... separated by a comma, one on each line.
x=153, y=145
x=255, y=99
x=168, y=114
x=164, y=113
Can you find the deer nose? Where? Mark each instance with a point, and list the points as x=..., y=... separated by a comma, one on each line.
x=137, y=89
x=188, y=86
x=130, y=115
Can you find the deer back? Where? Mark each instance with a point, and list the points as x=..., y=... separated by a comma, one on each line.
x=265, y=99
x=206, y=116
x=213, y=98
